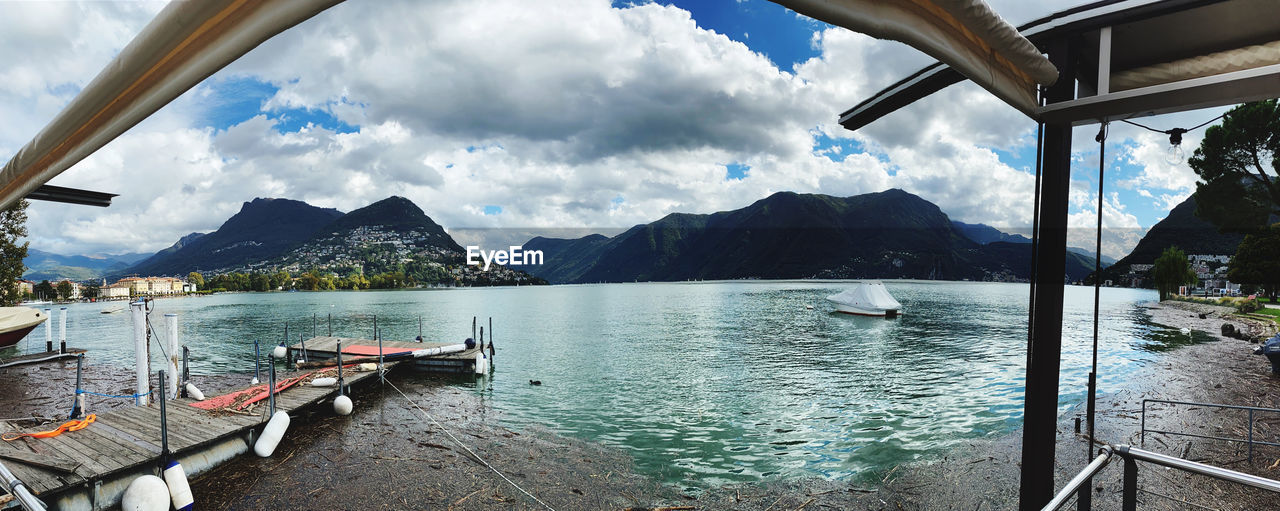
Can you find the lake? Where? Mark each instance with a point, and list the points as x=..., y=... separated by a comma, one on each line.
x=703, y=383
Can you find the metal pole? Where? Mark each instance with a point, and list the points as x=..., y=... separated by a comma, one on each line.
x=1250, y=435
x=19, y=490
x=482, y=339
x=164, y=423
x=77, y=407
x=171, y=322
x=381, y=372
x=313, y=324
x=419, y=327
x=303, y=342
x=257, y=361
x=186, y=371
x=271, y=375
x=330, y=324
x=1142, y=437
x=1130, y=500
x=375, y=327
x=141, y=358
x=1044, y=352
x=341, y=382
x=48, y=330
x=490, y=338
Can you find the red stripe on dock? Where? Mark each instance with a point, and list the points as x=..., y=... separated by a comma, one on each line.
x=360, y=349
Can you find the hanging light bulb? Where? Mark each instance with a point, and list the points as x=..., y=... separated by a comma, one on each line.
x=1175, y=155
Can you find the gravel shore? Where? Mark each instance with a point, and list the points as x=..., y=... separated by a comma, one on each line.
x=389, y=454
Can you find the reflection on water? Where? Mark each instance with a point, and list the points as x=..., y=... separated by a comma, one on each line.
x=711, y=382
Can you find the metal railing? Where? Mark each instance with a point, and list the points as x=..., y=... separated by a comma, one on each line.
x=1132, y=456
x=19, y=491
x=1253, y=411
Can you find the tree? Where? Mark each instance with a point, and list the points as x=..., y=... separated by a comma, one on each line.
x=196, y=278
x=1172, y=270
x=1239, y=167
x=1257, y=261
x=45, y=291
x=91, y=291
x=13, y=227
x=64, y=290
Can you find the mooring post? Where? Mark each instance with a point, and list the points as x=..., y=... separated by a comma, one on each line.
x=490, y=338
x=330, y=324
x=481, y=339
x=171, y=323
x=341, y=382
x=381, y=372
x=77, y=406
x=62, y=330
x=419, y=328
x=186, y=371
x=313, y=324
x=142, y=360
x=473, y=327
x=48, y=330
x=303, y=342
x=271, y=380
x=375, y=327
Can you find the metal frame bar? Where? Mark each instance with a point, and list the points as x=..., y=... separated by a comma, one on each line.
x=63, y=194
x=1196, y=93
x=1078, y=482
x=1142, y=435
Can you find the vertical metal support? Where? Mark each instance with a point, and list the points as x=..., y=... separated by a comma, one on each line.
x=1251, y=435
x=186, y=371
x=313, y=324
x=419, y=328
x=164, y=423
x=271, y=380
x=1142, y=436
x=1040, y=416
x=341, y=383
x=481, y=339
x=375, y=327
x=1129, y=501
x=490, y=338
x=381, y=372
x=171, y=324
x=303, y=342
x=257, y=362
x=77, y=406
x=330, y=324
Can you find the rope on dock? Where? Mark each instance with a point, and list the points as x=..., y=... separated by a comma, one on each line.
x=465, y=448
x=118, y=396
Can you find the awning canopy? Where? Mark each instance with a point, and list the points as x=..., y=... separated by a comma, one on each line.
x=184, y=44
x=965, y=34
x=1133, y=58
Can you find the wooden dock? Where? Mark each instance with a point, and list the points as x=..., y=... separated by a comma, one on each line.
x=325, y=348
x=89, y=469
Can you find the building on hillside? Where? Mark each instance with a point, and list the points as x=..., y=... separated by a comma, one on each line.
x=114, y=292
x=152, y=286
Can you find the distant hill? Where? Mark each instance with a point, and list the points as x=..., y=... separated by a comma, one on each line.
x=890, y=234
x=43, y=265
x=264, y=228
x=379, y=235
x=1181, y=228
x=984, y=234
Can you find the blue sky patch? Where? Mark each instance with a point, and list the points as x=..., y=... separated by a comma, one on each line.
x=736, y=171
x=231, y=101
x=491, y=210
x=837, y=149
x=765, y=27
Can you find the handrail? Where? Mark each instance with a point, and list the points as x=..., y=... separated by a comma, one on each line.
x=19, y=490
x=1132, y=455
x=1099, y=463
x=1199, y=468
x=1248, y=440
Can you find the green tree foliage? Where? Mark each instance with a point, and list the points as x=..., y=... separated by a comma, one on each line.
x=13, y=227
x=197, y=279
x=1257, y=261
x=1172, y=270
x=1239, y=167
x=45, y=291
x=91, y=291
x=64, y=290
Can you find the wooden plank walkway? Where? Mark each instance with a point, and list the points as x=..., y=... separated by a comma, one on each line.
x=127, y=441
x=325, y=348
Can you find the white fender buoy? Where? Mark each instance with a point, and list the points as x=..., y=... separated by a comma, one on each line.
x=194, y=392
x=279, y=352
x=272, y=434
x=324, y=382
x=146, y=493
x=482, y=364
x=255, y=381
x=342, y=405
x=367, y=366
x=179, y=490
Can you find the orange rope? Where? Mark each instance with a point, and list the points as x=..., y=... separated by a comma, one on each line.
x=67, y=426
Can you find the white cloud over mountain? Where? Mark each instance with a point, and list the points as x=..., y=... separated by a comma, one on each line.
x=564, y=114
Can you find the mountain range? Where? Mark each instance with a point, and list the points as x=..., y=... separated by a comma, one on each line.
x=1183, y=229
x=890, y=234
x=43, y=265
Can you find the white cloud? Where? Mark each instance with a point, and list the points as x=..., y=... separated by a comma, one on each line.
x=550, y=111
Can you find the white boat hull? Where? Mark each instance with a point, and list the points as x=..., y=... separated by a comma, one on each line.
x=859, y=311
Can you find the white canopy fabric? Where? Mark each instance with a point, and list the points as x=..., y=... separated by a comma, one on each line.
x=184, y=44
x=867, y=295
x=965, y=34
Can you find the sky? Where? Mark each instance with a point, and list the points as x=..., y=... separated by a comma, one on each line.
x=504, y=119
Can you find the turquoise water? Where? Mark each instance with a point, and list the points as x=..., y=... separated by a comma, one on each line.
x=702, y=383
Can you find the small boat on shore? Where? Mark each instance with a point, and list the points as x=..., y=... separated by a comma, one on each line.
x=17, y=322
x=868, y=298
